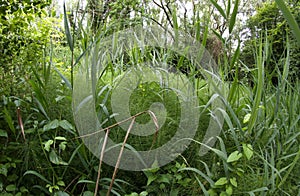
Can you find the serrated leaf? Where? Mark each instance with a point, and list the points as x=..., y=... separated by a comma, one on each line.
x=236, y=155
x=233, y=181
x=247, y=118
x=221, y=181
x=248, y=150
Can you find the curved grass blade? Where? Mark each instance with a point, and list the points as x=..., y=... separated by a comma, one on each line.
x=289, y=18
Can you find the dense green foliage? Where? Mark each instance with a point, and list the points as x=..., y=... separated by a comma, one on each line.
x=269, y=22
x=41, y=152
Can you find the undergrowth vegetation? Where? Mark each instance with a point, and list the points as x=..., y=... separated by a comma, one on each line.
x=42, y=152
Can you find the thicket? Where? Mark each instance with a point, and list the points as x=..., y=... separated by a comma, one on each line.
x=42, y=153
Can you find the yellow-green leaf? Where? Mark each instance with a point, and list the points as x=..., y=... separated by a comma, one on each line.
x=246, y=118
x=233, y=181
x=248, y=150
x=221, y=181
x=236, y=155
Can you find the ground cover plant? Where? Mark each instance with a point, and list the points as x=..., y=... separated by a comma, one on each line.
x=257, y=151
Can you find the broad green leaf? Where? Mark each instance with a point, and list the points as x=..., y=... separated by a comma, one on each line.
x=3, y=133
x=221, y=181
x=23, y=189
x=12, y=178
x=48, y=144
x=66, y=125
x=61, y=183
x=164, y=178
x=63, y=145
x=236, y=155
x=51, y=125
x=248, y=150
x=11, y=188
x=212, y=192
x=229, y=190
x=151, y=178
x=223, y=193
x=3, y=169
x=61, y=193
x=233, y=181
x=54, y=158
x=144, y=193
x=88, y=193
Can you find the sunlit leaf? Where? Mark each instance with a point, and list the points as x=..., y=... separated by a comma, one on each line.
x=48, y=144
x=233, y=181
x=221, y=181
x=236, y=155
x=248, y=150
x=247, y=118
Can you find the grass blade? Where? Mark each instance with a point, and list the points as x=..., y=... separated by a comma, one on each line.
x=233, y=16
x=37, y=175
x=219, y=8
x=260, y=85
x=290, y=18
x=67, y=29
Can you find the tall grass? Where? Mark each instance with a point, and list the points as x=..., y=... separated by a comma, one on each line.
x=257, y=152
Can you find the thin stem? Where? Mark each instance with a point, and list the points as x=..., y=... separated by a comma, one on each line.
x=120, y=155
x=100, y=161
